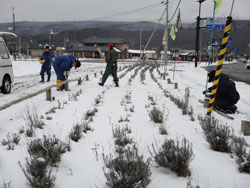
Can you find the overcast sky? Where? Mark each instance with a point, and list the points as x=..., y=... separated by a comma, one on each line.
x=83, y=10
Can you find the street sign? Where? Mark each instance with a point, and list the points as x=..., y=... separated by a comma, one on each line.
x=229, y=42
x=219, y=23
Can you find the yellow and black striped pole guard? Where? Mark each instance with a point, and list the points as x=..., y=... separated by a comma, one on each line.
x=223, y=50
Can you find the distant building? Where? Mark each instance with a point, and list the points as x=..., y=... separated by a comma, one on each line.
x=88, y=47
x=187, y=55
x=37, y=51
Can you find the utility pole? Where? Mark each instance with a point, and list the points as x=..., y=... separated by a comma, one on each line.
x=198, y=33
x=140, y=44
x=50, y=37
x=166, y=47
x=14, y=31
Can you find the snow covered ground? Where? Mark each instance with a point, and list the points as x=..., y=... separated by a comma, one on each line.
x=127, y=105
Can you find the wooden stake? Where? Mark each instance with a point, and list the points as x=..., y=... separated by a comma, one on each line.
x=48, y=95
x=187, y=96
x=176, y=85
x=245, y=127
x=79, y=82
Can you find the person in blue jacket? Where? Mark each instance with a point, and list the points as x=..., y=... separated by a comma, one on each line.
x=226, y=96
x=46, y=60
x=62, y=65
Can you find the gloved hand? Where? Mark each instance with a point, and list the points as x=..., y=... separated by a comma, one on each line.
x=207, y=91
x=42, y=61
x=204, y=92
x=208, y=95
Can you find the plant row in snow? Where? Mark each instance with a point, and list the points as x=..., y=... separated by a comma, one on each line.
x=44, y=153
x=125, y=168
x=180, y=103
x=175, y=155
x=221, y=139
x=128, y=69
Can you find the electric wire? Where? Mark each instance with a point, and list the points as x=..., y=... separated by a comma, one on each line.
x=171, y=6
x=154, y=30
x=129, y=12
x=175, y=11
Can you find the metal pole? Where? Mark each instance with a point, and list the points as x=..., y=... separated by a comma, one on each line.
x=140, y=44
x=223, y=49
x=232, y=8
x=14, y=31
x=200, y=46
x=50, y=39
x=166, y=47
x=210, y=45
x=197, y=35
x=19, y=44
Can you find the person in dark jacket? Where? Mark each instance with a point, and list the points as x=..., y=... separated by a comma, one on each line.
x=62, y=65
x=111, y=67
x=227, y=95
x=46, y=60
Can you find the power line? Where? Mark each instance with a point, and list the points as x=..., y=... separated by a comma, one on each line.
x=154, y=31
x=175, y=11
x=171, y=6
x=130, y=11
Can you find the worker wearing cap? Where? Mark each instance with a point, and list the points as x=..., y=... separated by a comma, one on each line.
x=46, y=60
x=111, y=67
x=62, y=65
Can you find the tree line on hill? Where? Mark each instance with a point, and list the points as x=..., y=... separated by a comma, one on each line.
x=129, y=31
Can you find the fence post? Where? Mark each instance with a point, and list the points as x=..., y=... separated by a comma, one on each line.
x=48, y=95
x=79, y=82
x=87, y=77
x=176, y=85
x=245, y=127
x=66, y=86
x=187, y=93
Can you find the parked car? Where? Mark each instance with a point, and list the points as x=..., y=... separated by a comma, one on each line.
x=6, y=71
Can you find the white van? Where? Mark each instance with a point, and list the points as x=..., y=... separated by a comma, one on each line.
x=6, y=72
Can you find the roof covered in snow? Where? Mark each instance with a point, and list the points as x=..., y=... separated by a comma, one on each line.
x=132, y=51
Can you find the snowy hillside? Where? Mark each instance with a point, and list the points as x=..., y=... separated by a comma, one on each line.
x=101, y=112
